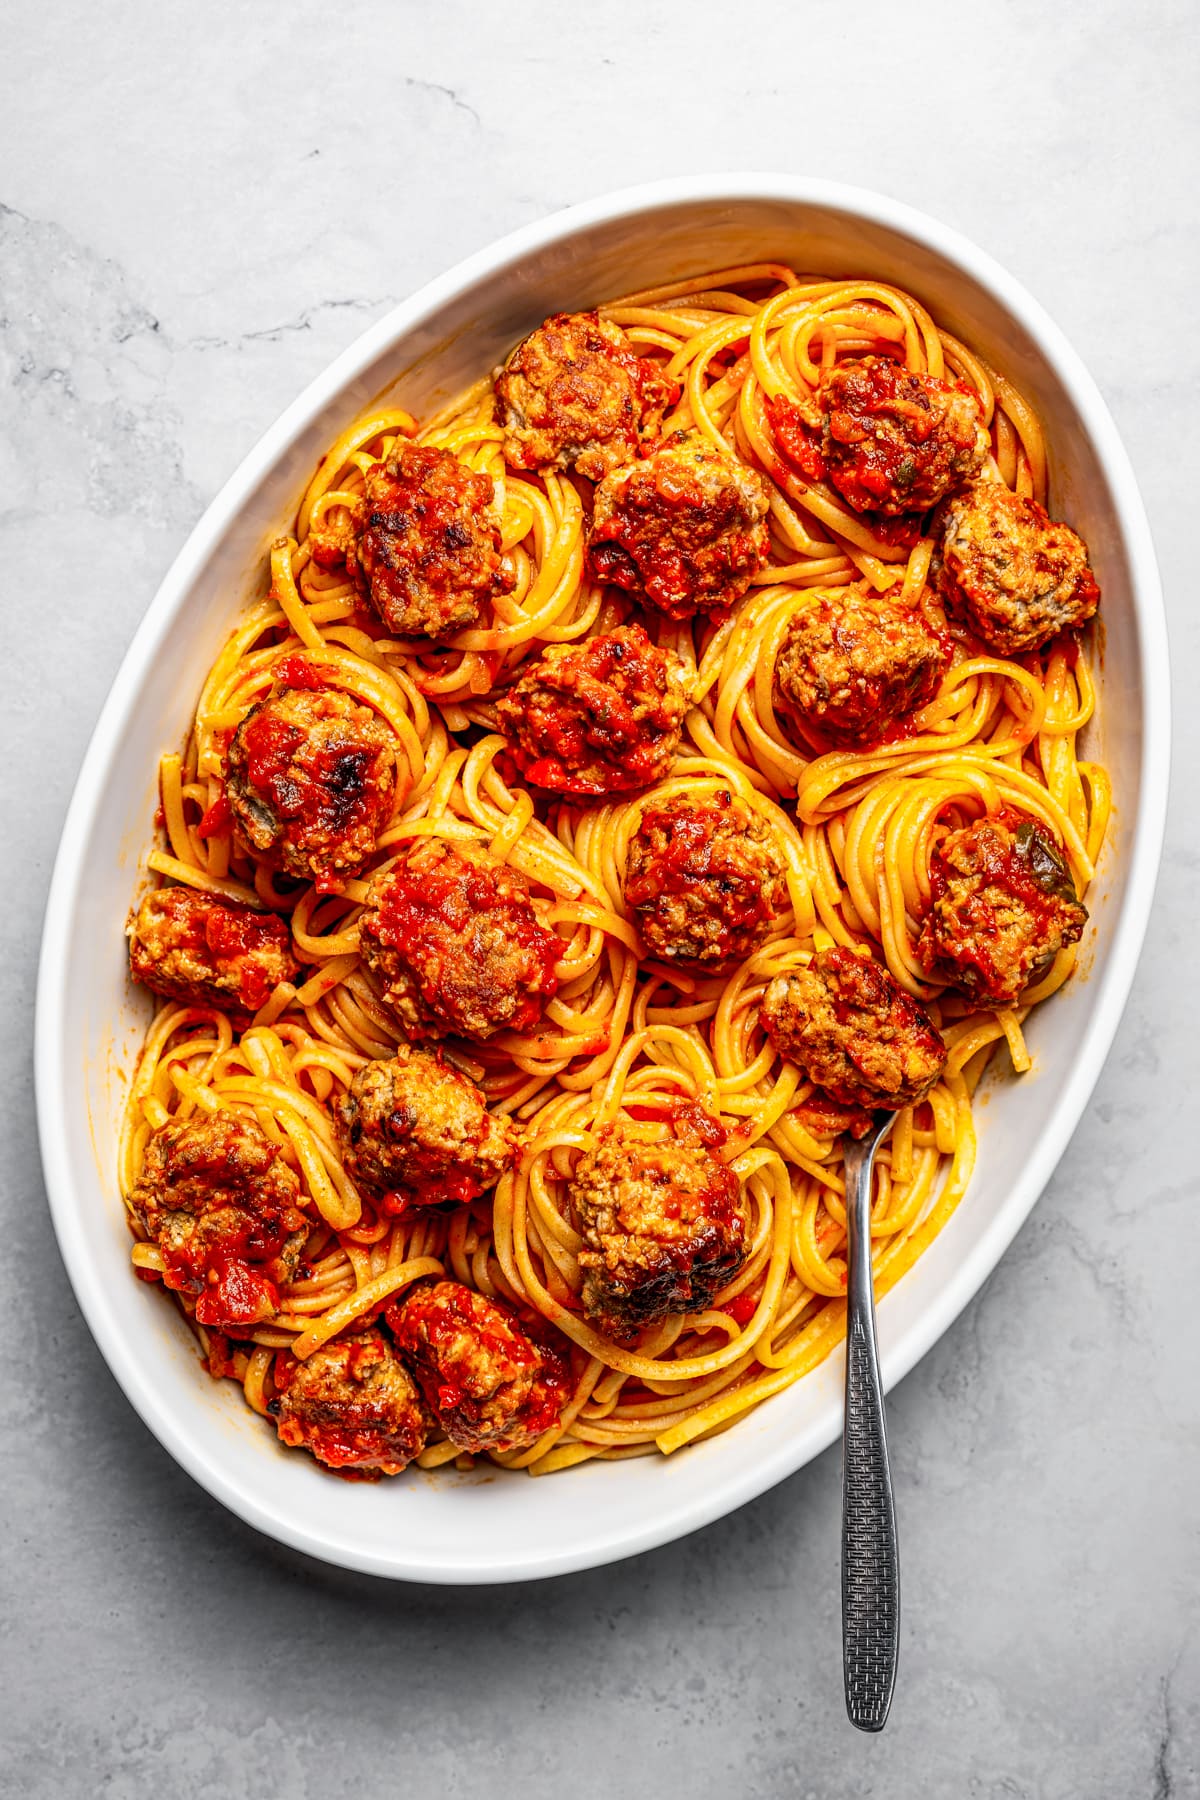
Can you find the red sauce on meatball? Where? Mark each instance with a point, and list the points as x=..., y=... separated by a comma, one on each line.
x=238, y=1294
x=704, y=880
x=269, y=742
x=353, y=1404
x=897, y=440
x=310, y=776
x=1002, y=903
x=194, y=947
x=454, y=938
x=238, y=1291
x=444, y=900
x=490, y=1384
x=684, y=530
x=798, y=440
x=599, y=717
x=220, y=1203
x=429, y=557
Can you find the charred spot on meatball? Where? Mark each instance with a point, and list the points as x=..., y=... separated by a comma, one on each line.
x=1002, y=905
x=489, y=1384
x=1010, y=573
x=704, y=880
x=852, y=666
x=896, y=441
x=416, y=1133
x=575, y=394
x=684, y=531
x=846, y=1022
x=455, y=944
x=223, y=1207
x=601, y=717
x=310, y=777
x=206, y=952
x=354, y=1405
x=429, y=553
x=664, y=1225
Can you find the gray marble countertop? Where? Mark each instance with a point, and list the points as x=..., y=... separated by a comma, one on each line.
x=201, y=205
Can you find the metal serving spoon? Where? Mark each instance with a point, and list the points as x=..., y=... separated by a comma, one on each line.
x=870, y=1558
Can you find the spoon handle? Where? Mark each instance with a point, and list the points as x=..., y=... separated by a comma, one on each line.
x=870, y=1556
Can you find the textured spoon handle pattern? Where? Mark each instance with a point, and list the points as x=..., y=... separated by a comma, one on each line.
x=870, y=1561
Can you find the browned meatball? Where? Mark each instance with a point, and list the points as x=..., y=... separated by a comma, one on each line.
x=310, y=777
x=193, y=948
x=575, y=394
x=417, y=1133
x=705, y=881
x=852, y=665
x=684, y=531
x=429, y=553
x=601, y=717
x=490, y=1386
x=1010, y=572
x=454, y=941
x=896, y=441
x=853, y=1030
x=664, y=1226
x=222, y=1206
x=1002, y=905
x=352, y=1403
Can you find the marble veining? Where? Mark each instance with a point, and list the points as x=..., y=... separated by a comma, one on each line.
x=198, y=208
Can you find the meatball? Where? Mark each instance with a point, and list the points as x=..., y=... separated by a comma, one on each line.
x=417, y=1133
x=489, y=1385
x=222, y=1205
x=895, y=441
x=352, y=1403
x=575, y=394
x=601, y=717
x=429, y=553
x=664, y=1226
x=853, y=1030
x=683, y=531
x=705, y=881
x=1002, y=905
x=191, y=947
x=1011, y=573
x=310, y=778
x=851, y=665
x=454, y=942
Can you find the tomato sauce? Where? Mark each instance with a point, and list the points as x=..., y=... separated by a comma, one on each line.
x=319, y=772
x=895, y=440
x=1009, y=855
x=602, y=719
x=193, y=946
x=431, y=913
x=692, y=860
x=295, y=671
x=217, y=821
x=799, y=442
x=315, y=786
x=221, y=1259
x=742, y=1308
x=466, y=1349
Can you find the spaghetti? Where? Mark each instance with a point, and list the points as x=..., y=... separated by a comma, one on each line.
x=624, y=1043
